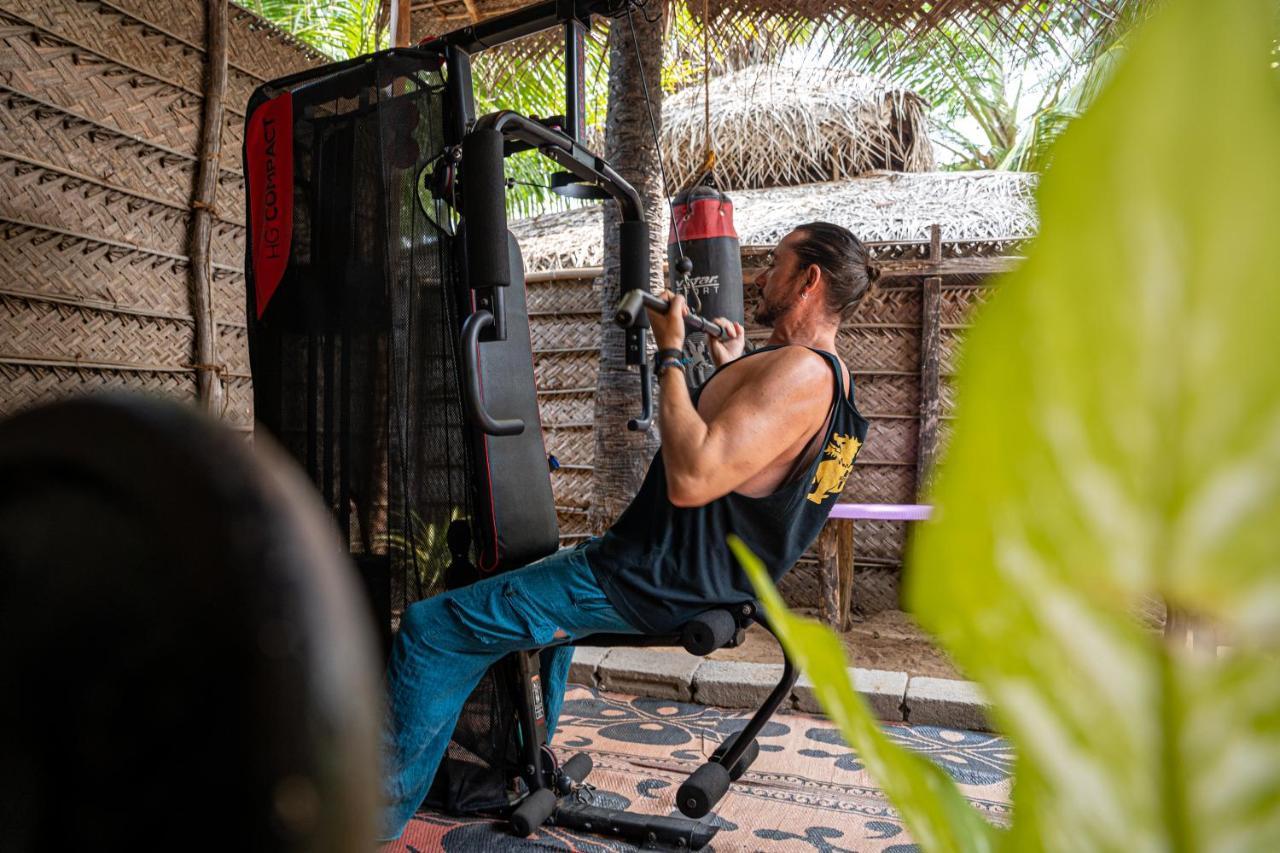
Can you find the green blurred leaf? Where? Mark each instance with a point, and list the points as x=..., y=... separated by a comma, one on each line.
x=1118, y=440
x=936, y=814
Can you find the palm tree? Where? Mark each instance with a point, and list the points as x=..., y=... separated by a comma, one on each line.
x=635, y=67
x=339, y=29
x=1001, y=87
x=528, y=77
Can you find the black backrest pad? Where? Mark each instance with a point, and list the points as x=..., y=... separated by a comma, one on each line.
x=520, y=512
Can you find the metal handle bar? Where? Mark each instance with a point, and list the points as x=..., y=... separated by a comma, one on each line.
x=634, y=301
x=471, y=385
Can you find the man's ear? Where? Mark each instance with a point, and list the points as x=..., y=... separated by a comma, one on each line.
x=813, y=275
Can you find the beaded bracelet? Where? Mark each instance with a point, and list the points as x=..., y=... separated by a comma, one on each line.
x=669, y=362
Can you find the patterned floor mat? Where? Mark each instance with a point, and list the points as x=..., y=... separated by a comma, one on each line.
x=806, y=792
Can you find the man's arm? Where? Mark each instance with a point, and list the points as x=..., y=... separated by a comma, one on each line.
x=786, y=399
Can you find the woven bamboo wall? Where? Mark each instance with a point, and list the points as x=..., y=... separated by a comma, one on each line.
x=881, y=344
x=100, y=109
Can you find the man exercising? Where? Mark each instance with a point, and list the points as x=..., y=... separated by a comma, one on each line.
x=761, y=451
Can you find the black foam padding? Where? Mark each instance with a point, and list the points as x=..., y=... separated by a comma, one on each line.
x=533, y=811
x=633, y=251
x=702, y=790
x=515, y=509
x=484, y=207
x=706, y=632
x=354, y=352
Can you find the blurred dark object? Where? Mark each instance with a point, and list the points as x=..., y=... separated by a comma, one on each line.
x=183, y=658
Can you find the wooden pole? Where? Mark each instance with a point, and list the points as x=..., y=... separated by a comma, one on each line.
x=209, y=389
x=829, y=576
x=930, y=357
x=845, y=570
x=401, y=23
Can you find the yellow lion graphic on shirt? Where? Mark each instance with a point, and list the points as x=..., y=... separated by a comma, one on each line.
x=832, y=472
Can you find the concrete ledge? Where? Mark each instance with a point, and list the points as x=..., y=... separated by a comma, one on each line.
x=645, y=672
x=948, y=703
x=892, y=696
x=586, y=660
x=735, y=684
x=882, y=689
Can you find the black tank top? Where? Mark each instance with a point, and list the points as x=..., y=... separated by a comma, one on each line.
x=660, y=564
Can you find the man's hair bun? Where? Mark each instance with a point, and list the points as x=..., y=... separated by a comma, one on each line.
x=843, y=257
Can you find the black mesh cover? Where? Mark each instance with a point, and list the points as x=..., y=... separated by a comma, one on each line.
x=353, y=339
x=355, y=305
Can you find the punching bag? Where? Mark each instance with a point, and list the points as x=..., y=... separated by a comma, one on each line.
x=710, y=278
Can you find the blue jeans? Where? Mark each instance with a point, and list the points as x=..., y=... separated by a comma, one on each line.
x=446, y=644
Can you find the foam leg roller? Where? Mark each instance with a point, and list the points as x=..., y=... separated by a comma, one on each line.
x=572, y=772
x=533, y=812
x=578, y=767
x=701, y=791
x=708, y=631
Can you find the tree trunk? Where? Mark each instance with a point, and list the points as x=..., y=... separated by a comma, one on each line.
x=621, y=456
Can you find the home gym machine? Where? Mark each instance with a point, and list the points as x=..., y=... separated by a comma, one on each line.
x=391, y=356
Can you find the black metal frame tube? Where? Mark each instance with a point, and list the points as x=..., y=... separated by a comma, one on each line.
x=572, y=156
x=526, y=22
x=645, y=829
x=525, y=669
x=575, y=92
x=761, y=716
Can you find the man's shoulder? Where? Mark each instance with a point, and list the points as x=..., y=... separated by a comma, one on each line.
x=797, y=362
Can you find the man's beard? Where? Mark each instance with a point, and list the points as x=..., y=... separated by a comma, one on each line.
x=767, y=314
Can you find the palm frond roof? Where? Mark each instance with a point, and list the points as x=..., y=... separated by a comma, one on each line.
x=773, y=126
x=884, y=207
x=433, y=17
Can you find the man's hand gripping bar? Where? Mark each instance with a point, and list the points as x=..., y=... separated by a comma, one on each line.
x=635, y=301
x=630, y=316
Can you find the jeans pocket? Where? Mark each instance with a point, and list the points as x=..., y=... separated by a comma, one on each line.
x=539, y=630
x=501, y=617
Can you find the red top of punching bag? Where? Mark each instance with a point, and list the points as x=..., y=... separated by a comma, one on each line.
x=701, y=214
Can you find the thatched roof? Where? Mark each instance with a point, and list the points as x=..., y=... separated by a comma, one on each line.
x=432, y=17
x=889, y=207
x=773, y=126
